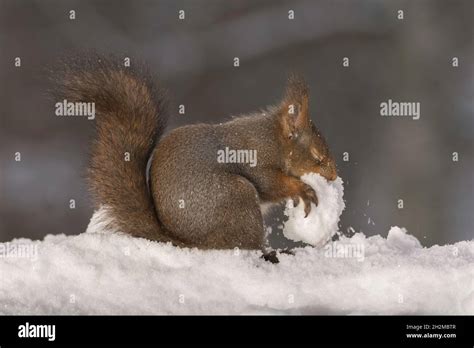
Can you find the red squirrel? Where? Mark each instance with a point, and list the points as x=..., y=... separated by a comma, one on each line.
x=193, y=199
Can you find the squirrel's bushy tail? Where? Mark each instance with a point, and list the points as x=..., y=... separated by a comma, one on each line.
x=130, y=117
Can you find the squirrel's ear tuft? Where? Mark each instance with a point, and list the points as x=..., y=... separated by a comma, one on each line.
x=296, y=88
x=294, y=108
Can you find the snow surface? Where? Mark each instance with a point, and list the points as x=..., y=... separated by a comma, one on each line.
x=111, y=273
x=322, y=222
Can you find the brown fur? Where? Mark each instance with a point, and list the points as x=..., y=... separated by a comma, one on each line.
x=221, y=200
x=130, y=116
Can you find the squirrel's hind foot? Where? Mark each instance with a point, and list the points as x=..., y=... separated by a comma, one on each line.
x=270, y=256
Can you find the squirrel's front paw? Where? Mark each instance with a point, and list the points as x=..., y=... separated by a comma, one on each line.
x=308, y=195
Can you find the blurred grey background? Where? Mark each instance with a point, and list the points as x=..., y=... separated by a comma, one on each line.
x=390, y=158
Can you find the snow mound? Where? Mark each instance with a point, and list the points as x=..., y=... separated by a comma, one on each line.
x=322, y=222
x=97, y=273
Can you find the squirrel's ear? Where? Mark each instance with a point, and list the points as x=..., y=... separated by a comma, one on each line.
x=295, y=107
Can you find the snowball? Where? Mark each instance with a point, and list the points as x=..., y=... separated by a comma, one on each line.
x=322, y=222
